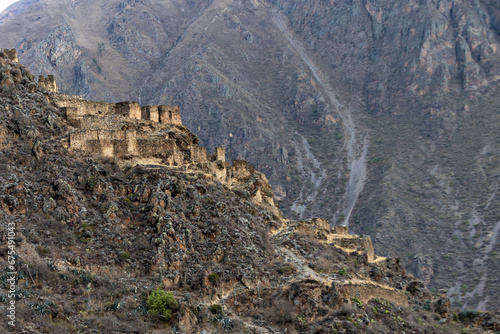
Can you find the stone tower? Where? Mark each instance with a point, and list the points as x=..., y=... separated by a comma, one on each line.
x=10, y=54
x=49, y=83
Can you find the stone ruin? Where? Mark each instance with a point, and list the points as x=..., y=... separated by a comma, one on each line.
x=147, y=135
x=9, y=54
x=48, y=83
x=129, y=131
x=364, y=289
x=77, y=109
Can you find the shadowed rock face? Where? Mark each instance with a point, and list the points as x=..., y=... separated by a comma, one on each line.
x=400, y=92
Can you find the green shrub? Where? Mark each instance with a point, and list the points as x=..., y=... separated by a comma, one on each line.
x=91, y=182
x=216, y=309
x=286, y=270
x=342, y=272
x=226, y=323
x=162, y=303
x=214, y=278
x=357, y=301
x=471, y=314
x=85, y=276
x=44, y=307
x=51, y=266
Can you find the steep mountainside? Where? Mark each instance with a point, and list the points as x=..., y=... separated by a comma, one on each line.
x=100, y=237
x=380, y=115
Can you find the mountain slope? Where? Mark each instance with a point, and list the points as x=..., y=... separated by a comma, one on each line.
x=99, y=241
x=304, y=90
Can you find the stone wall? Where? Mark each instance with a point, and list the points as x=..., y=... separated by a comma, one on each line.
x=129, y=109
x=78, y=139
x=365, y=292
x=72, y=115
x=220, y=154
x=221, y=170
x=9, y=54
x=170, y=115
x=48, y=83
x=340, y=230
x=150, y=113
x=76, y=109
x=130, y=143
x=362, y=243
x=125, y=144
x=198, y=153
x=131, y=139
x=338, y=236
x=242, y=170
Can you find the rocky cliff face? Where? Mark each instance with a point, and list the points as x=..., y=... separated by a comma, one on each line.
x=379, y=115
x=423, y=170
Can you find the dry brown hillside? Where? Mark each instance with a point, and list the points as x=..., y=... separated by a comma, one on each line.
x=380, y=115
x=112, y=235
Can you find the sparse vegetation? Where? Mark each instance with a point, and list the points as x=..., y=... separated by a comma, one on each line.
x=45, y=307
x=101, y=48
x=357, y=301
x=97, y=65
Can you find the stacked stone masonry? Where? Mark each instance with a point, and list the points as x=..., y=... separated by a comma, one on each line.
x=242, y=170
x=128, y=109
x=367, y=291
x=340, y=230
x=169, y=115
x=220, y=154
x=48, y=83
x=123, y=130
x=9, y=54
x=76, y=110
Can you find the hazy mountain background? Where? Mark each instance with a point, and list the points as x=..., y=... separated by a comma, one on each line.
x=318, y=95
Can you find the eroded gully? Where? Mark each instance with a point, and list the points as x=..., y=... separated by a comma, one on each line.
x=356, y=143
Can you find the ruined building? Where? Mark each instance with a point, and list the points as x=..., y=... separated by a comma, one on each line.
x=149, y=134
x=145, y=135
x=126, y=130
x=9, y=54
x=48, y=83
